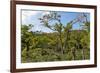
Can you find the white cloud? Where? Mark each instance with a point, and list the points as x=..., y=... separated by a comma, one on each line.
x=46, y=13
x=26, y=14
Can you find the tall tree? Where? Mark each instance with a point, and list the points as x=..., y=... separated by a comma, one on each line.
x=26, y=38
x=56, y=27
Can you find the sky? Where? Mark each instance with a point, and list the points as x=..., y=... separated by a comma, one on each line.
x=32, y=17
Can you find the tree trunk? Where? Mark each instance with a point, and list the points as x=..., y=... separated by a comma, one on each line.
x=73, y=53
x=83, y=53
x=27, y=52
x=61, y=46
x=66, y=39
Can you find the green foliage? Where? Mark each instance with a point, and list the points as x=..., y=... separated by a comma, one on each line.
x=62, y=44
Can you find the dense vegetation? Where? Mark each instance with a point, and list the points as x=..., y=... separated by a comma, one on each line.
x=62, y=44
